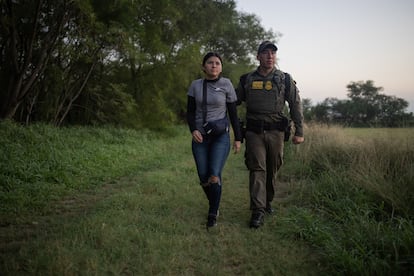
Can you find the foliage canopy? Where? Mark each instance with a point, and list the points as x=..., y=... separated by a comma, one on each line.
x=115, y=62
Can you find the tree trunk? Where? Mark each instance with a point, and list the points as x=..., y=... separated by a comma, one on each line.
x=63, y=110
x=25, y=68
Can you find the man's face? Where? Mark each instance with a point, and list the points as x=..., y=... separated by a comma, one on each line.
x=267, y=58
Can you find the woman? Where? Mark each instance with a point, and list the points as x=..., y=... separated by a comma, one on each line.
x=209, y=101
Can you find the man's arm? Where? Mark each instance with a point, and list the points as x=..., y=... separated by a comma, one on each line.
x=296, y=109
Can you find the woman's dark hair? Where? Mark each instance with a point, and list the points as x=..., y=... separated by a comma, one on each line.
x=211, y=54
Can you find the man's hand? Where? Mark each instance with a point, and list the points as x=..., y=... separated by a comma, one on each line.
x=298, y=140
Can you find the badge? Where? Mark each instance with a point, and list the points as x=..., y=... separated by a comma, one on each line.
x=257, y=85
x=268, y=85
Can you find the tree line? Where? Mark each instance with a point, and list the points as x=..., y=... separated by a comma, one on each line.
x=121, y=62
x=365, y=107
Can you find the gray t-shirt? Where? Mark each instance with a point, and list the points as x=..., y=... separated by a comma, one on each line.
x=219, y=93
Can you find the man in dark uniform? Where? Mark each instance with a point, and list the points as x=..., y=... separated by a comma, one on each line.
x=265, y=92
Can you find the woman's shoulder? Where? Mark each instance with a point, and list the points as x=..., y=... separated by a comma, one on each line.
x=227, y=85
x=196, y=83
x=225, y=81
x=194, y=87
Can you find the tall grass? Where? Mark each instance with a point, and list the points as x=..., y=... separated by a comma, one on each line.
x=98, y=201
x=41, y=163
x=357, y=203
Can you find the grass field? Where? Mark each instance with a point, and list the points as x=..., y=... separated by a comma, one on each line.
x=99, y=201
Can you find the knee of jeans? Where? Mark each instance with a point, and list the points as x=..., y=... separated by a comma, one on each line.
x=214, y=179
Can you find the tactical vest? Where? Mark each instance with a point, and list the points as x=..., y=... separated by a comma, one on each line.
x=266, y=95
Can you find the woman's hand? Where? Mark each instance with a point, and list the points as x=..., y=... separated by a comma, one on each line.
x=236, y=146
x=197, y=137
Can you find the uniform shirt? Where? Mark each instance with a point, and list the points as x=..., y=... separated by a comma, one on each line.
x=267, y=84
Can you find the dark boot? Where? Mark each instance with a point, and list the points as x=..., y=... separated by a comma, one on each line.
x=257, y=220
x=269, y=210
x=211, y=221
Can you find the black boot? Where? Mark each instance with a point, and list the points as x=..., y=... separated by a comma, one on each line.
x=269, y=210
x=256, y=220
x=214, y=202
x=211, y=221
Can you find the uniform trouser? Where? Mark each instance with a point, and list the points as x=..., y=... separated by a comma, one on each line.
x=264, y=157
x=210, y=157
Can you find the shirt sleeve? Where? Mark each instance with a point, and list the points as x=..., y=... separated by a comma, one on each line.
x=296, y=109
x=231, y=93
x=234, y=120
x=191, y=110
x=232, y=110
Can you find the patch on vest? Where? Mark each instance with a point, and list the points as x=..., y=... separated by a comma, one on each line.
x=268, y=85
x=257, y=85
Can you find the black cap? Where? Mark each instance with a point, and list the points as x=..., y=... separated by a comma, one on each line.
x=265, y=45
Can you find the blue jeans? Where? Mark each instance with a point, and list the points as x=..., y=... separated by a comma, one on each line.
x=210, y=157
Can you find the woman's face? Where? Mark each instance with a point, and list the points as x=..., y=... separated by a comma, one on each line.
x=212, y=67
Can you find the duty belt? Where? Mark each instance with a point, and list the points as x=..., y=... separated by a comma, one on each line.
x=259, y=126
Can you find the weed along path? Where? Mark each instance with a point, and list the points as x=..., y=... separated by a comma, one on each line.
x=151, y=223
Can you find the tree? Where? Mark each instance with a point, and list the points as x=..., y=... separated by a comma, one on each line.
x=365, y=107
x=363, y=96
x=84, y=61
x=392, y=111
x=307, y=109
x=29, y=32
x=373, y=108
x=165, y=44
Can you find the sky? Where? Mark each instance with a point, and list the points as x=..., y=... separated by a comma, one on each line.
x=327, y=44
